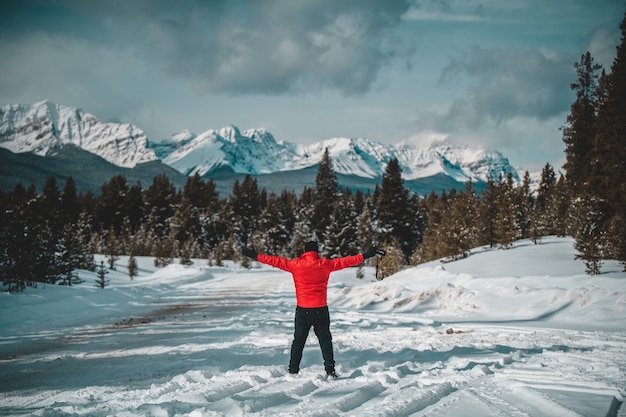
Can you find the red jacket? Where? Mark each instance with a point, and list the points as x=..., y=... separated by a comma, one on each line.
x=310, y=274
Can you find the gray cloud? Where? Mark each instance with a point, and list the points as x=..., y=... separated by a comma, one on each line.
x=602, y=45
x=240, y=47
x=505, y=84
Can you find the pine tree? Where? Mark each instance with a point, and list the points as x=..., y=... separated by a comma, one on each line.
x=341, y=236
x=70, y=207
x=161, y=200
x=524, y=203
x=72, y=256
x=136, y=208
x=52, y=222
x=185, y=253
x=365, y=229
x=589, y=240
x=276, y=223
x=34, y=241
x=185, y=225
x=164, y=252
x=396, y=218
x=326, y=190
x=245, y=207
x=581, y=127
x=562, y=202
x=301, y=235
x=19, y=241
x=144, y=242
x=616, y=230
x=231, y=248
x=488, y=214
x=112, y=248
x=132, y=266
x=544, y=214
x=200, y=194
x=219, y=254
x=50, y=207
x=419, y=219
x=505, y=224
x=608, y=162
x=46, y=267
x=434, y=245
x=209, y=214
x=464, y=212
x=303, y=227
x=101, y=273
x=112, y=205
x=448, y=229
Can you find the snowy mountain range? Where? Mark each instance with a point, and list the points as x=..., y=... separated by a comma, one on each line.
x=256, y=152
x=42, y=128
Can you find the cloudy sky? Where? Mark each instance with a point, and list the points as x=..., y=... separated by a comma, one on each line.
x=494, y=73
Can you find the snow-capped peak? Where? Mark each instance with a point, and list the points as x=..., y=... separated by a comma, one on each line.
x=183, y=136
x=42, y=126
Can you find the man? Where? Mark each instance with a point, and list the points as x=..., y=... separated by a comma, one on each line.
x=310, y=275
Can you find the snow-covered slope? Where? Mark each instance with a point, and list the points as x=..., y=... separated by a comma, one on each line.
x=256, y=151
x=41, y=127
x=520, y=332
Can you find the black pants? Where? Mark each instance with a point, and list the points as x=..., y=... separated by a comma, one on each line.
x=319, y=318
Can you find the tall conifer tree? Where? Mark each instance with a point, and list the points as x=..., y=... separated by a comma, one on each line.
x=160, y=199
x=395, y=215
x=112, y=205
x=341, y=237
x=608, y=164
x=326, y=190
x=544, y=214
x=488, y=214
x=505, y=224
x=581, y=127
x=524, y=207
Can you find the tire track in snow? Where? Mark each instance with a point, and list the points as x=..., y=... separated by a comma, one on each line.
x=408, y=400
x=359, y=396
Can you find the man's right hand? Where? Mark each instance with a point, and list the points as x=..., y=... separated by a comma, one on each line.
x=250, y=253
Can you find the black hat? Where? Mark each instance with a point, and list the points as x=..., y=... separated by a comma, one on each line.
x=311, y=246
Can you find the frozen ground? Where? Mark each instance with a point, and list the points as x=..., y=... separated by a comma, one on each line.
x=522, y=332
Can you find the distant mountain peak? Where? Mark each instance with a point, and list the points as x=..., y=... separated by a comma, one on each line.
x=41, y=127
x=183, y=136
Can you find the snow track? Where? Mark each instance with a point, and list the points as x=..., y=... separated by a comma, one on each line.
x=154, y=369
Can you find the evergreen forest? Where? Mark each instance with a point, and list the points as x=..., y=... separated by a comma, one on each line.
x=45, y=236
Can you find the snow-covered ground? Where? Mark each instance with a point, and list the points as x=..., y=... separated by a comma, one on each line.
x=522, y=332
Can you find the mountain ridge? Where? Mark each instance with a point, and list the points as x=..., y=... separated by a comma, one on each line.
x=256, y=151
x=42, y=127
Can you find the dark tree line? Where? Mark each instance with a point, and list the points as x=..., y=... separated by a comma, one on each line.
x=45, y=237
